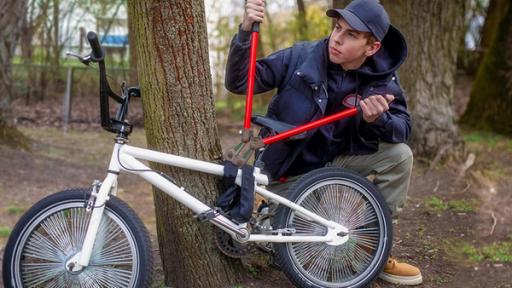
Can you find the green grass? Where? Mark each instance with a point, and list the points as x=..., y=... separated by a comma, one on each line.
x=495, y=252
x=255, y=272
x=478, y=139
x=496, y=171
x=437, y=205
x=462, y=206
x=469, y=251
x=439, y=280
x=5, y=231
x=13, y=210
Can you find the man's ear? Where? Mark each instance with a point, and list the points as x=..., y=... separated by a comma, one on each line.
x=373, y=48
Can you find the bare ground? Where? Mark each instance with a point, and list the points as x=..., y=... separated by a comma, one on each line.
x=430, y=232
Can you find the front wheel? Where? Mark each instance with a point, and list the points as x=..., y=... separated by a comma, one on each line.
x=52, y=232
x=345, y=198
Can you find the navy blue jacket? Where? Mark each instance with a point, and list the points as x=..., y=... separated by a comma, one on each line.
x=310, y=87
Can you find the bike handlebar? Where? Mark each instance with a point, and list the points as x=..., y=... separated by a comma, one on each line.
x=97, y=53
x=117, y=124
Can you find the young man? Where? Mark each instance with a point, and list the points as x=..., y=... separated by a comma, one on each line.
x=355, y=65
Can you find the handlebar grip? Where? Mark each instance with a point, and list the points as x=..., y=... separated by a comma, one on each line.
x=97, y=52
x=256, y=27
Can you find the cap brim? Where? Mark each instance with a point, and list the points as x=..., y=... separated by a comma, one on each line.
x=350, y=17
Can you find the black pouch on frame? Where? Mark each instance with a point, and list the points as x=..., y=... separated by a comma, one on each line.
x=237, y=201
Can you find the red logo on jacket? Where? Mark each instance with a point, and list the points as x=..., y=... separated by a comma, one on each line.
x=351, y=100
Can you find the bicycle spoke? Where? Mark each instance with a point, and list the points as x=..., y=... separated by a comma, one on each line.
x=312, y=203
x=60, y=235
x=319, y=264
x=304, y=226
x=346, y=205
x=39, y=273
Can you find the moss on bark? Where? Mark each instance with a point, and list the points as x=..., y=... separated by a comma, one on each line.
x=10, y=136
x=490, y=106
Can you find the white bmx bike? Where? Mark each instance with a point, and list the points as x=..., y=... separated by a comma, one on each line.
x=331, y=229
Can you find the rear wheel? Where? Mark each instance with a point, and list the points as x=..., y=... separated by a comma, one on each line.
x=53, y=231
x=345, y=198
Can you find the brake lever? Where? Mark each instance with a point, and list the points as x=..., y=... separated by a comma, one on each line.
x=85, y=60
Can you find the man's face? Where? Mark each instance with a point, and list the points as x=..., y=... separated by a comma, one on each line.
x=349, y=47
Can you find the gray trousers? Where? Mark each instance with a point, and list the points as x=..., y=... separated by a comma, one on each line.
x=391, y=167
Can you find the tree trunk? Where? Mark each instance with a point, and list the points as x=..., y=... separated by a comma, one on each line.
x=490, y=106
x=340, y=4
x=302, y=28
x=270, y=30
x=12, y=13
x=30, y=25
x=10, y=136
x=55, y=57
x=495, y=13
x=45, y=37
x=174, y=72
x=133, y=52
x=432, y=30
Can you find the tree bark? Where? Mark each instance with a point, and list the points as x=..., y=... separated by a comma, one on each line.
x=302, y=28
x=490, y=106
x=340, y=4
x=45, y=38
x=432, y=29
x=56, y=43
x=31, y=23
x=495, y=13
x=133, y=52
x=12, y=13
x=179, y=111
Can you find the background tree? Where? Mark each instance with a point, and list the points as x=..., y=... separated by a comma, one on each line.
x=428, y=76
x=490, y=106
x=302, y=25
x=12, y=13
x=495, y=13
x=31, y=24
x=174, y=73
x=340, y=4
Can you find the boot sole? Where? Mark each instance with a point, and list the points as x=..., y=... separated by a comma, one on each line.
x=402, y=280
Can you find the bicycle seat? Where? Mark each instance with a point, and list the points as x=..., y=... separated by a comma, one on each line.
x=276, y=126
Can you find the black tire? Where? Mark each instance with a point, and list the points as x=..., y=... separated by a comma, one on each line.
x=335, y=194
x=55, y=227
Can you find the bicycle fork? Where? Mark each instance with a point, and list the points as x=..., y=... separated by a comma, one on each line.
x=96, y=204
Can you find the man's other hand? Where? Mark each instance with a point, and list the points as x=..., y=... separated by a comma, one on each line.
x=374, y=106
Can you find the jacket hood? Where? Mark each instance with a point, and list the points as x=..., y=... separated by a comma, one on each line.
x=387, y=60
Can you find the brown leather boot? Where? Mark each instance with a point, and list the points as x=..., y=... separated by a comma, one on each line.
x=401, y=273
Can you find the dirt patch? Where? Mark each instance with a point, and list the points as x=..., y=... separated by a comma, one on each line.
x=436, y=220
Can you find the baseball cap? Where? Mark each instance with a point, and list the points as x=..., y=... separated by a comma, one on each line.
x=364, y=16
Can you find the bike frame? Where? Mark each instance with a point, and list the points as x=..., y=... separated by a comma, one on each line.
x=126, y=158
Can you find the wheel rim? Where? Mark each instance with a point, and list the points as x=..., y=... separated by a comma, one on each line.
x=351, y=205
x=57, y=233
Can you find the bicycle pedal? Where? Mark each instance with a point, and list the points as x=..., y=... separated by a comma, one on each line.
x=208, y=215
